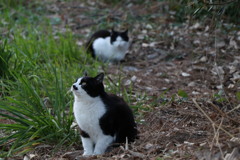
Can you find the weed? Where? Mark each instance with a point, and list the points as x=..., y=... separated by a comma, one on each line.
x=182, y=94
x=4, y=59
x=220, y=97
x=42, y=67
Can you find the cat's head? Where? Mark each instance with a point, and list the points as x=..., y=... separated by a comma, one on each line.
x=88, y=87
x=119, y=39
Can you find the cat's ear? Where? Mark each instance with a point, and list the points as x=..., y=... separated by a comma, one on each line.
x=126, y=31
x=85, y=73
x=112, y=30
x=99, y=78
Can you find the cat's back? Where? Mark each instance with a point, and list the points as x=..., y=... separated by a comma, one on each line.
x=114, y=101
x=119, y=117
x=118, y=109
x=101, y=34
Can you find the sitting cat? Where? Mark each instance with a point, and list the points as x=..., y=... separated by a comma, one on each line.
x=103, y=118
x=108, y=46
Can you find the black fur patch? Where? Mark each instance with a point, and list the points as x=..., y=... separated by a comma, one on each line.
x=115, y=34
x=84, y=134
x=92, y=86
x=118, y=119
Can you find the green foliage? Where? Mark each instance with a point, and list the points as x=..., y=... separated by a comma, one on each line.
x=5, y=55
x=238, y=96
x=232, y=12
x=39, y=66
x=201, y=9
x=16, y=14
x=182, y=94
x=35, y=119
x=220, y=97
x=10, y=3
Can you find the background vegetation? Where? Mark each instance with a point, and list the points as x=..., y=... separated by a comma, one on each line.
x=226, y=10
x=38, y=66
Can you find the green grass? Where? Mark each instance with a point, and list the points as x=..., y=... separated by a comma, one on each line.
x=35, y=84
x=38, y=72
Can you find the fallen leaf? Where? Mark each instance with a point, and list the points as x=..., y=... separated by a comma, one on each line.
x=184, y=74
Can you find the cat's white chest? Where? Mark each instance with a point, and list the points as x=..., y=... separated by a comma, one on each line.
x=109, y=52
x=87, y=116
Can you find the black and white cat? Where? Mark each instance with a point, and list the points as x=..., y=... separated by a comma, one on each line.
x=103, y=118
x=108, y=46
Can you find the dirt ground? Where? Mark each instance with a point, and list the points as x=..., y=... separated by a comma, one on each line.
x=167, y=58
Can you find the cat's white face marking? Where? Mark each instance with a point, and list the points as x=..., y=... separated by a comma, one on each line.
x=78, y=91
x=120, y=42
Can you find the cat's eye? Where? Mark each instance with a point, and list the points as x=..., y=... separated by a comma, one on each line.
x=83, y=83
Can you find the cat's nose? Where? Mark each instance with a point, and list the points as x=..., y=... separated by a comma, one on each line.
x=74, y=87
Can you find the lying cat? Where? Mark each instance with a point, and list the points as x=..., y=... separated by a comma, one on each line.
x=108, y=46
x=103, y=118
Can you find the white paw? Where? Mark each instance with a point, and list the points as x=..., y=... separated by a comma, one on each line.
x=87, y=153
x=98, y=152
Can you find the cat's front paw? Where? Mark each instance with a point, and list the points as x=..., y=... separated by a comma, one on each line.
x=87, y=153
x=98, y=152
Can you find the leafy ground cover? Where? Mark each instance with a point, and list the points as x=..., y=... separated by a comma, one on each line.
x=180, y=77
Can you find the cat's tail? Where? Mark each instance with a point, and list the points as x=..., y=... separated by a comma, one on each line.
x=89, y=48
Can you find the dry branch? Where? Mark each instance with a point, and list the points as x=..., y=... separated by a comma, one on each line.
x=222, y=113
x=213, y=123
x=223, y=3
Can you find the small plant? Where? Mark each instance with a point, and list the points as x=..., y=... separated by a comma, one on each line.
x=5, y=55
x=219, y=97
x=34, y=119
x=182, y=94
x=35, y=97
x=9, y=3
x=238, y=96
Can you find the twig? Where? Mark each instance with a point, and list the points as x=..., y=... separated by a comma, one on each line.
x=126, y=144
x=238, y=106
x=222, y=113
x=213, y=123
x=217, y=140
x=133, y=153
x=137, y=154
x=223, y=3
x=110, y=79
x=214, y=130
